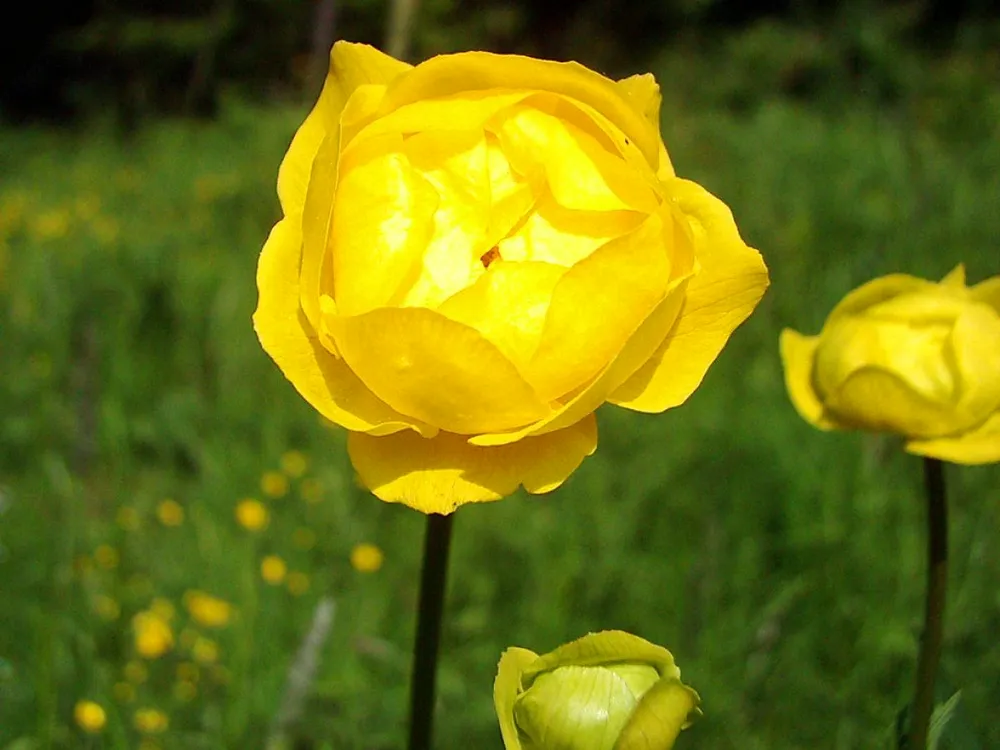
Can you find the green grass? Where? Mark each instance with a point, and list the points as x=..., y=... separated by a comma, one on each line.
x=782, y=566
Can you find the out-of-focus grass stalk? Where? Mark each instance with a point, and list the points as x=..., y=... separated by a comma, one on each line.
x=301, y=674
x=399, y=31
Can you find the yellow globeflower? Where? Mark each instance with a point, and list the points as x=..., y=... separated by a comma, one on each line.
x=150, y=721
x=89, y=716
x=252, y=514
x=273, y=569
x=479, y=251
x=170, y=513
x=294, y=464
x=366, y=558
x=298, y=583
x=274, y=484
x=907, y=356
x=153, y=636
x=207, y=610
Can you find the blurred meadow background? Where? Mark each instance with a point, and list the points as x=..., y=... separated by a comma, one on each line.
x=173, y=515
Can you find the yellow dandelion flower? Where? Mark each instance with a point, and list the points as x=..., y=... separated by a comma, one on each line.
x=207, y=610
x=185, y=691
x=123, y=692
x=106, y=608
x=51, y=225
x=273, y=569
x=153, y=636
x=188, y=672
x=127, y=518
x=89, y=716
x=150, y=721
x=298, y=583
x=170, y=512
x=106, y=556
x=205, y=651
x=252, y=514
x=294, y=463
x=311, y=491
x=366, y=558
x=274, y=484
x=163, y=608
x=135, y=672
x=304, y=538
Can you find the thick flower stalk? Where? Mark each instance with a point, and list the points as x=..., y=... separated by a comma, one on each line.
x=605, y=691
x=906, y=356
x=479, y=251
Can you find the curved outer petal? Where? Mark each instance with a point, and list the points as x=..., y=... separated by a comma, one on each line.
x=605, y=647
x=798, y=355
x=446, y=75
x=727, y=288
x=323, y=380
x=876, y=291
x=643, y=93
x=442, y=372
x=506, y=689
x=988, y=291
x=978, y=446
x=437, y=475
x=666, y=708
x=351, y=65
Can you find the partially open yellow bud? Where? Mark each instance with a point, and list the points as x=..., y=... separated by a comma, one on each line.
x=605, y=691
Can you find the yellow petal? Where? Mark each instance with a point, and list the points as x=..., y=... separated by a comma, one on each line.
x=975, y=354
x=978, y=446
x=447, y=75
x=643, y=93
x=726, y=289
x=988, y=291
x=876, y=291
x=508, y=305
x=955, y=277
x=351, y=65
x=437, y=475
x=639, y=348
x=598, y=304
x=321, y=378
x=507, y=688
x=798, y=355
x=439, y=371
x=382, y=220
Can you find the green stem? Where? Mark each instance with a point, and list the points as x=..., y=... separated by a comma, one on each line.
x=433, y=579
x=937, y=579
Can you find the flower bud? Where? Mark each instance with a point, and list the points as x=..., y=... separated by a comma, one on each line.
x=605, y=691
x=910, y=357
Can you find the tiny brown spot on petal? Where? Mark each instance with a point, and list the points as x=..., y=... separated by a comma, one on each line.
x=489, y=256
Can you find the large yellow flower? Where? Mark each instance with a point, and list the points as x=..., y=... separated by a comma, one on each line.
x=913, y=357
x=479, y=251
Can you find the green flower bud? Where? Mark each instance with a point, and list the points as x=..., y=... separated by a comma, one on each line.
x=605, y=691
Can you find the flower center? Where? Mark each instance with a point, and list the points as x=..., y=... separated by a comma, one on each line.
x=489, y=256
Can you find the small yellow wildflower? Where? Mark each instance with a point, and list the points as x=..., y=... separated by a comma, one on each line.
x=185, y=691
x=163, y=608
x=273, y=569
x=366, y=558
x=51, y=225
x=106, y=556
x=123, y=692
x=89, y=716
x=150, y=721
x=205, y=651
x=304, y=538
x=153, y=637
x=252, y=514
x=207, y=610
x=136, y=672
x=311, y=491
x=294, y=464
x=274, y=484
x=106, y=608
x=170, y=512
x=298, y=583
x=127, y=518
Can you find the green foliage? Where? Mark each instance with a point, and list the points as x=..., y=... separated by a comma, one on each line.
x=782, y=566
